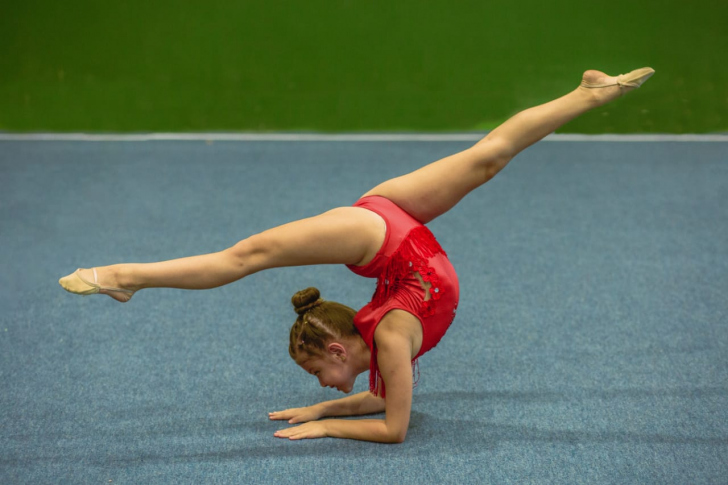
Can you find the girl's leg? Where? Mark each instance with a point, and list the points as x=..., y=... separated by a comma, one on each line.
x=346, y=235
x=436, y=188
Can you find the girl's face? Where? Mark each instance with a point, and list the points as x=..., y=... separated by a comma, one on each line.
x=332, y=370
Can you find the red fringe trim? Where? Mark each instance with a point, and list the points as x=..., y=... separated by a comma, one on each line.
x=376, y=383
x=413, y=255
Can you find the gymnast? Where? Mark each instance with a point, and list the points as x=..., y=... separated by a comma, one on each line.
x=381, y=236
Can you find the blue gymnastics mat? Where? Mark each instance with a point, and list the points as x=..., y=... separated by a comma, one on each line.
x=590, y=344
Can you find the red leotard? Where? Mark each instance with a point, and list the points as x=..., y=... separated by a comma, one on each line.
x=408, y=247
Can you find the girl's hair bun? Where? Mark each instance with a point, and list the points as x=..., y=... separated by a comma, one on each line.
x=306, y=299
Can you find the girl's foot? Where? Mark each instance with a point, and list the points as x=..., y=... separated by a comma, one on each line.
x=604, y=88
x=102, y=280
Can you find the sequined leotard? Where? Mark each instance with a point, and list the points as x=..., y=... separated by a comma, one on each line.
x=408, y=247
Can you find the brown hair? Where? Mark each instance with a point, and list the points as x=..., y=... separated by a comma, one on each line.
x=318, y=322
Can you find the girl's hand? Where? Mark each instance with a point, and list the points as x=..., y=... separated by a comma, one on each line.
x=298, y=415
x=314, y=429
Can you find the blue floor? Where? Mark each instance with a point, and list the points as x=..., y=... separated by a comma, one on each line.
x=590, y=345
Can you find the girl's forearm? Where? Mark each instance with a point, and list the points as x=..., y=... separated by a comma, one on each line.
x=362, y=429
x=356, y=405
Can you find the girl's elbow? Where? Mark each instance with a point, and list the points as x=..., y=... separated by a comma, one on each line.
x=398, y=436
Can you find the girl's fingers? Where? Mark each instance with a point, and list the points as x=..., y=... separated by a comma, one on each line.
x=304, y=431
x=281, y=414
x=290, y=433
x=290, y=436
x=282, y=433
x=285, y=414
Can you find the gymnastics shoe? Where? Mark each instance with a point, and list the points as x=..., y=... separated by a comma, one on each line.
x=632, y=79
x=75, y=283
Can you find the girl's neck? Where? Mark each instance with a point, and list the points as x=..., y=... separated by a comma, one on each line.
x=361, y=355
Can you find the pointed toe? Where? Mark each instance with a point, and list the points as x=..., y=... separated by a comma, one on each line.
x=74, y=283
x=77, y=284
x=633, y=79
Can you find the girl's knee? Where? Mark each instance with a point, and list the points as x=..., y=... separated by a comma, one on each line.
x=253, y=253
x=492, y=156
x=494, y=150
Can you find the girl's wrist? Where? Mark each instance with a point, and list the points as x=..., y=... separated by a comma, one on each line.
x=322, y=409
x=326, y=424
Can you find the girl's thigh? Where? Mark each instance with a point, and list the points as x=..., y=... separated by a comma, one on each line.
x=436, y=188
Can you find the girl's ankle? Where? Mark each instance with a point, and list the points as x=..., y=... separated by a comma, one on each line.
x=124, y=277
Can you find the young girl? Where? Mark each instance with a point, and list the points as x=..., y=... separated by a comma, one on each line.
x=382, y=236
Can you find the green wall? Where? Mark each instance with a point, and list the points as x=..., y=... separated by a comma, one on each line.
x=347, y=66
